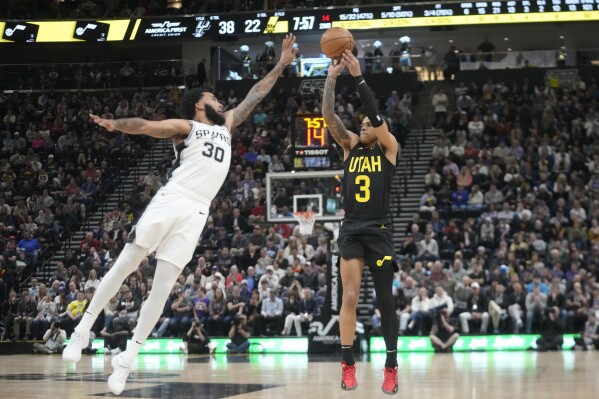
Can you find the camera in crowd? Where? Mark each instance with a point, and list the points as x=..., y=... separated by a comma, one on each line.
x=56, y=323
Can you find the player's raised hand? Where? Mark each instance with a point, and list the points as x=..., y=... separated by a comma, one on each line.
x=352, y=63
x=288, y=53
x=107, y=124
x=336, y=67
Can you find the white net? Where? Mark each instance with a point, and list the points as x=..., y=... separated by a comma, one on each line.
x=306, y=222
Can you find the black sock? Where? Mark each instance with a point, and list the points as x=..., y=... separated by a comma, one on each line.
x=391, y=359
x=348, y=355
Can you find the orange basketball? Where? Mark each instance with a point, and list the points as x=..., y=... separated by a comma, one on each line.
x=335, y=41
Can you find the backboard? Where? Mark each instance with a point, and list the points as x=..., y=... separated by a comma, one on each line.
x=315, y=191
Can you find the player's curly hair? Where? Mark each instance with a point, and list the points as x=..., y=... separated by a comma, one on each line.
x=187, y=108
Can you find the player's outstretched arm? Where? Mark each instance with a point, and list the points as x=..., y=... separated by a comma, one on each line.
x=236, y=116
x=165, y=129
x=341, y=135
x=384, y=136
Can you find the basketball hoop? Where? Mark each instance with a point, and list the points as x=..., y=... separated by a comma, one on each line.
x=306, y=221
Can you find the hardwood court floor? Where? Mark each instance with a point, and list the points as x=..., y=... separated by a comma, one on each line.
x=511, y=375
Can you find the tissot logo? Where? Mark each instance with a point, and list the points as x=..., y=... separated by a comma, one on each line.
x=166, y=29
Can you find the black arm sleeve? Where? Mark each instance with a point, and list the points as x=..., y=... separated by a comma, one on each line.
x=368, y=102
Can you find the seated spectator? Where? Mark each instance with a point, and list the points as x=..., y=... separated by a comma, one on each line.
x=235, y=306
x=459, y=198
x=590, y=334
x=499, y=303
x=536, y=303
x=181, y=308
x=443, y=335
x=476, y=309
x=46, y=310
x=115, y=337
x=552, y=332
x=239, y=336
x=428, y=201
x=26, y=311
x=73, y=314
x=306, y=311
x=429, y=249
x=271, y=315
x=218, y=308
x=196, y=339
x=54, y=340
x=420, y=308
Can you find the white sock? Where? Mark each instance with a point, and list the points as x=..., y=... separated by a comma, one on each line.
x=164, y=279
x=127, y=262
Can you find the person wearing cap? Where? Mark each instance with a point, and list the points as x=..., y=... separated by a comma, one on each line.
x=181, y=308
x=257, y=237
x=476, y=309
x=270, y=277
x=115, y=337
x=26, y=310
x=128, y=307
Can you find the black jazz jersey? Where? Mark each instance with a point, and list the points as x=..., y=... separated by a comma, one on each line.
x=367, y=183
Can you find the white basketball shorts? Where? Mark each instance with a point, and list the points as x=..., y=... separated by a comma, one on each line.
x=172, y=225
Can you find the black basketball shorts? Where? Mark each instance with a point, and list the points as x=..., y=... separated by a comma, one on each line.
x=371, y=240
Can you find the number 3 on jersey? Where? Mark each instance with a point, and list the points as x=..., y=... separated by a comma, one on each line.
x=364, y=182
x=213, y=151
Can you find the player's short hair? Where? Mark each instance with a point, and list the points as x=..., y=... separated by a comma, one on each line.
x=187, y=109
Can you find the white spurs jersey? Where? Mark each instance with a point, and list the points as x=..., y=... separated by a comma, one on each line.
x=202, y=160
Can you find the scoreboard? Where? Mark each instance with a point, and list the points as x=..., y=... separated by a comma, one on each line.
x=307, y=20
x=311, y=146
x=390, y=16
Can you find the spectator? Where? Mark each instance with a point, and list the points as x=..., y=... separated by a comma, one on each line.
x=475, y=310
x=443, y=335
x=196, y=339
x=239, y=336
x=271, y=315
x=536, y=303
x=26, y=310
x=218, y=308
x=181, y=308
x=552, y=332
x=46, y=310
x=429, y=249
x=128, y=307
x=440, y=103
x=54, y=339
x=115, y=337
x=420, y=308
x=306, y=311
x=590, y=334
x=235, y=306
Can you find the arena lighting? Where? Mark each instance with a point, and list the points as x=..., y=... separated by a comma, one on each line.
x=176, y=4
x=377, y=44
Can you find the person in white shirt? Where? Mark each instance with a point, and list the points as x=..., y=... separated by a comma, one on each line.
x=440, y=103
x=420, y=307
x=441, y=300
x=429, y=249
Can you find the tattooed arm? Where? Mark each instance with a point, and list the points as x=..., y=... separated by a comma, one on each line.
x=166, y=129
x=236, y=116
x=347, y=140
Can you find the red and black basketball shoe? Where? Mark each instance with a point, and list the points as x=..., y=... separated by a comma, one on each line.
x=348, y=377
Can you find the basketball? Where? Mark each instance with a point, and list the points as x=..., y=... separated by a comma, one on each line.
x=335, y=41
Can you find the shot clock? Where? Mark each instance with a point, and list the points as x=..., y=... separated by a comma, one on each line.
x=311, y=146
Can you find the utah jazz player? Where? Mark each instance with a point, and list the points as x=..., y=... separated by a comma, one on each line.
x=365, y=236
